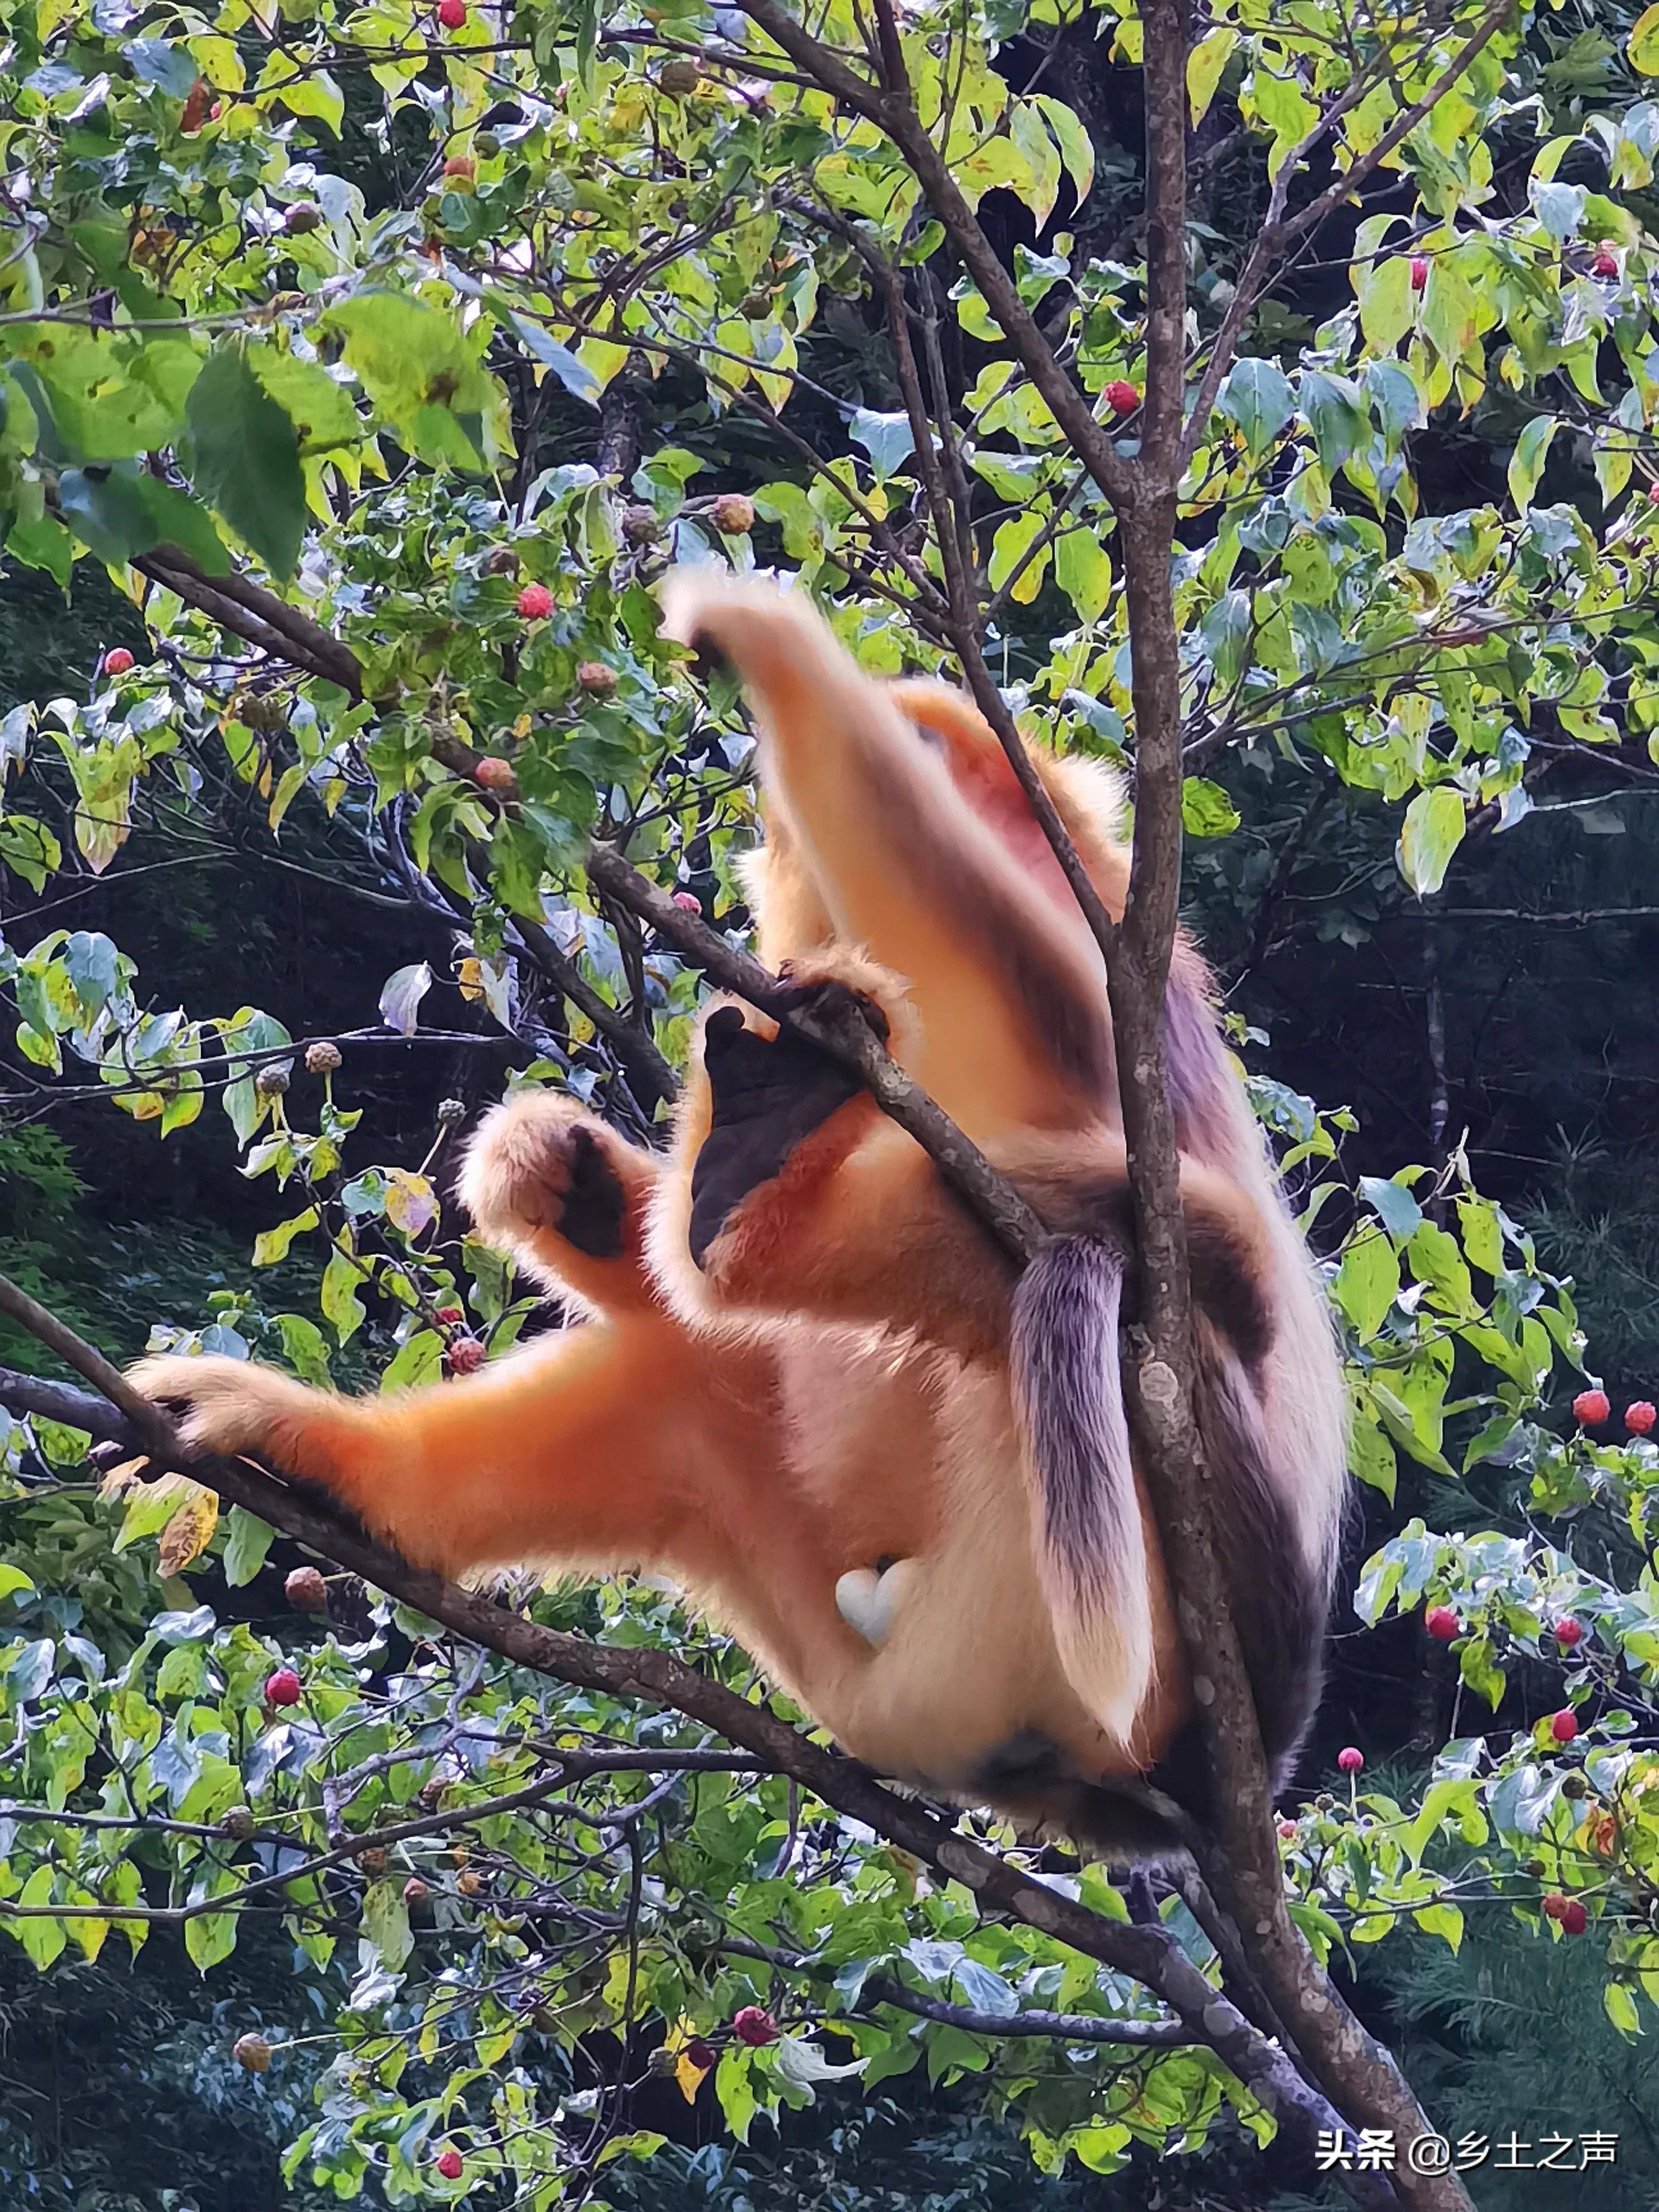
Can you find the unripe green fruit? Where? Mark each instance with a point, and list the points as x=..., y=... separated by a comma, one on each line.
x=640, y=526
x=239, y=1824
x=271, y=1082
x=679, y=78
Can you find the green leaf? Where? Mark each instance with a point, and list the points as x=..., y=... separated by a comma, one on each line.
x=314, y=95
x=342, y=1307
x=577, y=378
x=1008, y=548
x=306, y=1350
x=1644, y=48
x=12, y=1579
x=417, y=1361
x=43, y=543
x=888, y=438
x=1371, y=1457
x=1445, y=1920
x=386, y=1923
x=321, y=410
x=1482, y=1671
x=121, y=511
x=42, y=1939
x=1617, y=1999
x=1398, y=1210
x=1083, y=569
x=1256, y=396
x=1338, y=416
x=1527, y=461
x=1368, y=1282
x=1432, y=832
x=1206, y=809
x=1205, y=64
x=246, y=459
x=248, y=1538
x=271, y=1244
x=420, y=374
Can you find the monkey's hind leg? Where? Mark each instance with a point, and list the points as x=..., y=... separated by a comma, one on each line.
x=552, y=1184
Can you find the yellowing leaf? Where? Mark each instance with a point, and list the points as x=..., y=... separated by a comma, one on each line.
x=188, y=1533
x=411, y=1204
x=1204, y=66
x=1644, y=47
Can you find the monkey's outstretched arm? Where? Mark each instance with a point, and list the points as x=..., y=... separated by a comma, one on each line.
x=570, y=1450
x=1012, y=1030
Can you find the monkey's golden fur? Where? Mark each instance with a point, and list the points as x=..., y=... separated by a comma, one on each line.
x=825, y=1385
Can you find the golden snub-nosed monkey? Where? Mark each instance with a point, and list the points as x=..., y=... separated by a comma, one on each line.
x=804, y=1385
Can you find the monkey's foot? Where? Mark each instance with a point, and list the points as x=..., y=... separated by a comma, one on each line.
x=552, y=1182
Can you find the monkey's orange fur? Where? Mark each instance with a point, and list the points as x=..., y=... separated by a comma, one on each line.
x=830, y=1388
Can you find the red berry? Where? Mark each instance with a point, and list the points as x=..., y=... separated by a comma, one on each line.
x=1591, y=1409
x=1419, y=272
x=1288, y=1830
x=756, y=2027
x=535, y=600
x=416, y=1892
x=452, y=14
x=1604, y=264
x=449, y=2164
x=1564, y=1726
x=466, y=1355
x=283, y=1687
x=1442, y=1622
x=494, y=774
x=1641, y=1416
x=450, y=1315
x=689, y=901
x=119, y=662
x=461, y=166
x=1351, y=1759
x=1554, y=1906
x=1574, y=1918
x=1122, y=397
x=216, y=110
x=1569, y=1630
x=702, y=2055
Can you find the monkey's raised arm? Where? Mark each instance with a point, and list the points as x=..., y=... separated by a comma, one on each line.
x=1012, y=1030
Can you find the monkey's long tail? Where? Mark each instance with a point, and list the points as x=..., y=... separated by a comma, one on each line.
x=1069, y=1396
